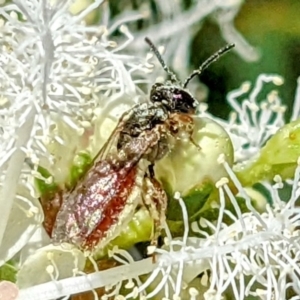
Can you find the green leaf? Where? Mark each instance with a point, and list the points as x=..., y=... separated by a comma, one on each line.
x=194, y=201
x=8, y=272
x=278, y=157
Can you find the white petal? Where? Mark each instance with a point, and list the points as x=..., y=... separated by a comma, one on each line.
x=26, y=215
x=50, y=262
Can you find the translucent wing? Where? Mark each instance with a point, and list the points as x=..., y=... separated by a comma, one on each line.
x=52, y=204
x=112, y=140
x=96, y=210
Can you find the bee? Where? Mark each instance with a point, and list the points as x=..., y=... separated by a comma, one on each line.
x=121, y=177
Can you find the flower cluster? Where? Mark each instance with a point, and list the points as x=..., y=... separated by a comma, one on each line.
x=58, y=78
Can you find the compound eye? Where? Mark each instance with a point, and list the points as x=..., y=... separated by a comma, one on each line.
x=184, y=102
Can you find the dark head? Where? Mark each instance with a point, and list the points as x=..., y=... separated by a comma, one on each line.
x=173, y=95
x=173, y=98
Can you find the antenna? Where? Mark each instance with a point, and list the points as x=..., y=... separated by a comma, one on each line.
x=160, y=59
x=209, y=61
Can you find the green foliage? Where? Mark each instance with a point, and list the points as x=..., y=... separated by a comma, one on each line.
x=8, y=272
x=195, y=201
x=278, y=157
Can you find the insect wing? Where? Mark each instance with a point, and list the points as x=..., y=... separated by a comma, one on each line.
x=112, y=140
x=108, y=196
x=96, y=210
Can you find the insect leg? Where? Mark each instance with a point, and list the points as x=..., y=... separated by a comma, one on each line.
x=151, y=171
x=155, y=200
x=194, y=142
x=51, y=206
x=182, y=126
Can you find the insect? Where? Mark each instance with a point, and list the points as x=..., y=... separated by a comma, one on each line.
x=122, y=177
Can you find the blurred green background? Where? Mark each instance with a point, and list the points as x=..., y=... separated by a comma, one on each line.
x=271, y=26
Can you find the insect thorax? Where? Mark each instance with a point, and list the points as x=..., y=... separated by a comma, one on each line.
x=143, y=117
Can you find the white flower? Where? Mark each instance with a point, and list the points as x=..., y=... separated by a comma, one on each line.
x=64, y=85
x=255, y=256
x=57, y=75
